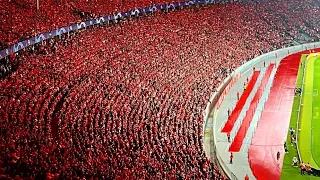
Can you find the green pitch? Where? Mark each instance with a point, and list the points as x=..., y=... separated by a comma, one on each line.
x=315, y=124
x=289, y=172
x=306, y=115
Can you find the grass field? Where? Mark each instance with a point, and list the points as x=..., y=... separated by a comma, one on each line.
x=289, y=172
x=315, y=131
x=306, y=116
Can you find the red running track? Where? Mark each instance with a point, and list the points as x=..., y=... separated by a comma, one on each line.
x=273, y=125
x=241, y=134
x=236, y=112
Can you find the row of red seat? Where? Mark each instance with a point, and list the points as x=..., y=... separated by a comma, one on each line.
x=126, y=101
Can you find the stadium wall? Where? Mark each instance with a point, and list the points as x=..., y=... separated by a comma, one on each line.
x=214, y=104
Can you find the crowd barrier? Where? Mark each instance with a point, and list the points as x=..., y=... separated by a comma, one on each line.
x=212, y=106
x=104, y=19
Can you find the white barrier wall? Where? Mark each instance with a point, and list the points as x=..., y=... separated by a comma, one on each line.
x=274, y=56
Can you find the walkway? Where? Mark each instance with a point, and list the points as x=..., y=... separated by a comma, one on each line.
x=237, y=142
x=240, y=167
x=239, y=106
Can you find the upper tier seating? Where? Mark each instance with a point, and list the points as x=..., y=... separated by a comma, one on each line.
x=20, y=18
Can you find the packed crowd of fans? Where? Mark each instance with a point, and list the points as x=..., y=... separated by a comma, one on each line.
x=15, y=14
x=126, y=101
x=21, y=19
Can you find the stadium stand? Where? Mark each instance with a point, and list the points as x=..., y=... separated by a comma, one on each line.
x=113, y=100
